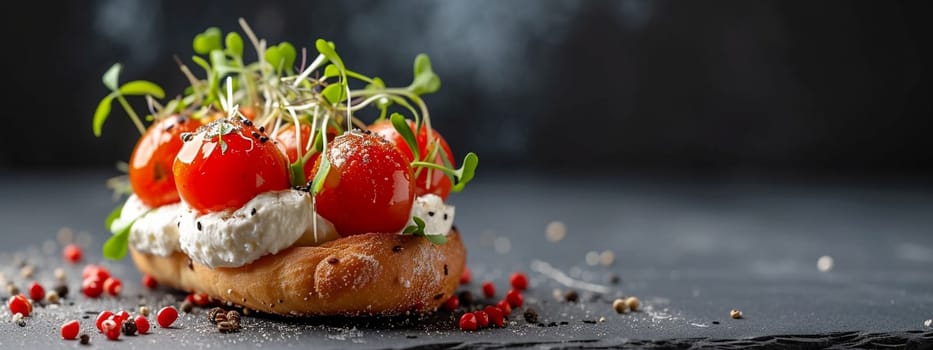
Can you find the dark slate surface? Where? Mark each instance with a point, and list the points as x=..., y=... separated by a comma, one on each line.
x=691, y=251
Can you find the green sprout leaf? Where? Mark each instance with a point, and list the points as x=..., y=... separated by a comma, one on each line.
x=208, y=41
x=142, y=87
x=465, y=173
x=113, y=216
x=334, y=93
x=281, y=57
x=418, y=230
x=425, y=81
x=100, y=115
x=111, y=76
x=234, y=44
x=436, y=239
x=331, y=71
x=115, y=248
x=318, y=182
x=327, y=49
x=288, y=53
x=401, y=125
x=376, y=84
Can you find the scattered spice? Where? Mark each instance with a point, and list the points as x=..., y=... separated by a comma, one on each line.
x=482, y=319
x=715, y=322
x=466, y=276
x=187, y=307
x=61, y=290
x=468, y=322
x=36, y=292
x=519, y=281
x=12, y=289
x=555, y=231
x=531, y=316
x=614, y=278
x=824, y=263
x=592, y=258
x=735, y=314
x=228, y=327
x=619, y=305
x=217, y=314
x=489, y=290
x=59, y=274
x=166, y=316
x=466, y=298
x=451, y=303
x=144, y=310
x=607, y=257
x=27, y=271
x=233, y=316
x=142, y=324
x=632, y=303
x=572, y=296
x=129, y=328
x=52, y=297
x=21, y=322
x=72, y=253
x=928, y=323
x=602, y=319
x=85, y=339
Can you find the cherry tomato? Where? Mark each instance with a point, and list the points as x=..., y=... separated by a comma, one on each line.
x=368, y=188
x=214, y=175
x=439, y=183
x=151, y=162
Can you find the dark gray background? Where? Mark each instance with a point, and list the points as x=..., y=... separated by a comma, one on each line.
x=838, y=88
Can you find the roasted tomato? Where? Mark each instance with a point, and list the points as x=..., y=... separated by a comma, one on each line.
x=226, y=164
x=288, y=143
x=439, y=183
x=151, y=162
x=368, y=187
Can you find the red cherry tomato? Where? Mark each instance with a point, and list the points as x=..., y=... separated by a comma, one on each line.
x=439, y=183
x=212, y=175
x=368, y=188
x=151, y=162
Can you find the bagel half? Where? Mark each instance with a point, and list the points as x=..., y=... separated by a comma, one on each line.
x=369, y=274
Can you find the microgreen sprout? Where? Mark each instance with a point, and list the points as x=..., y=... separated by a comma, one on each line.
x=318, y=94
x=133, y=88
x=418, y=230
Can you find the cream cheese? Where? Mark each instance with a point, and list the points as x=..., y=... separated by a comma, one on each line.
x=267, y=224
x=154, y=231
x=438, y=217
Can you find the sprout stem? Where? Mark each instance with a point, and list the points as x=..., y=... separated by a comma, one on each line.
x=132, y=114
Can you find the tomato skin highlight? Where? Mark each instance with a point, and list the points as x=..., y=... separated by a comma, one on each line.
x=150, y=164
x=215, y=176
x=368, y=187
x=439, y=183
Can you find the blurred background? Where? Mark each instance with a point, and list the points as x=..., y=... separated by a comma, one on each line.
x=763, y=88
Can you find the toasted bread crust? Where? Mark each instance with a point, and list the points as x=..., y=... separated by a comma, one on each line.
x=370, y=274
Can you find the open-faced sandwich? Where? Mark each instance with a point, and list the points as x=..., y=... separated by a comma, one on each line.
x=263, y=185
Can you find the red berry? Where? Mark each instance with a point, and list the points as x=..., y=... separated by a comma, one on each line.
x=19, y=304
x=482, y=319
x=92, y=287
x=70, y=329
x=93, y=270
x=452, y=303
x=111, y=329
x=72, y=253
x=514, y=298
x=505, y=307
x=113, y=286
x=200, y=299
x=166, y=316
x=36, y=292
x=519, y=281
x=123, y=315
x=142, y=324
x=489, y=290
x=101, y=317
x=495, y=315
x=468, y=322
x=466, y=276
x=150, y=282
